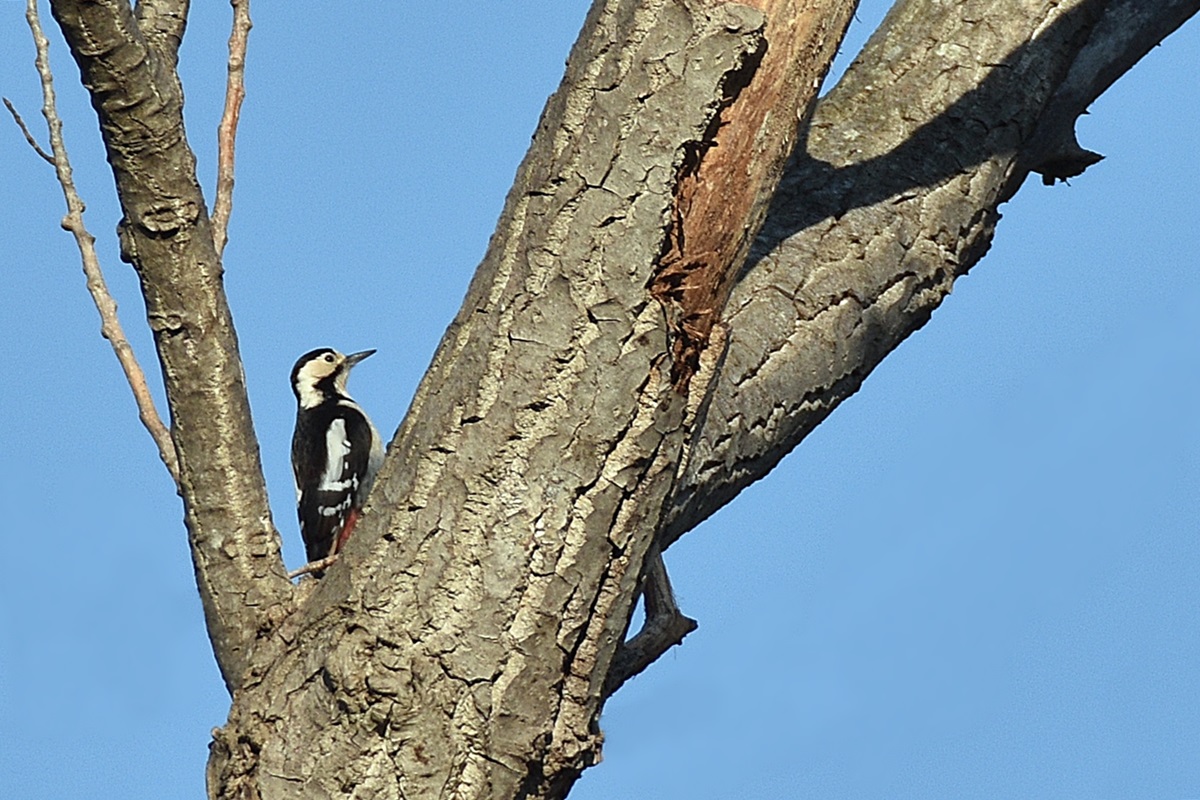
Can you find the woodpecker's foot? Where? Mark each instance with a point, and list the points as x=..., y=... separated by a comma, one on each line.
x=313, y=567
x=665, y=626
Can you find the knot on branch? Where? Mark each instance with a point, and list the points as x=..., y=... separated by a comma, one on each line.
x=169, y=217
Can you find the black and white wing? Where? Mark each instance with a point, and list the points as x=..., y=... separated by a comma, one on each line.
x=329, y=479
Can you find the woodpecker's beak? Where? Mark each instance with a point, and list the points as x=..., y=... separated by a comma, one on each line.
x=354, y=358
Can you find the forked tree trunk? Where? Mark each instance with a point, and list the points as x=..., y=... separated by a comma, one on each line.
x=611, y=379
x=463, y=647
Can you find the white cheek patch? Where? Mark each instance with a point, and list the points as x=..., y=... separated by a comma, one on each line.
x=309, y=396
x=307, y=379
x=337, y=447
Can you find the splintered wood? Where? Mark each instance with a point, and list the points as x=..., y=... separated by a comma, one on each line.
x=727, y=179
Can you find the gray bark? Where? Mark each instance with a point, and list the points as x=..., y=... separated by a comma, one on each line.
x=894, y=195
x=165, y=234
x=463, y=645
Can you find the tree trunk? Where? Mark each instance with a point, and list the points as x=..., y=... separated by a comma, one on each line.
x=612, y=377
x=468, y=634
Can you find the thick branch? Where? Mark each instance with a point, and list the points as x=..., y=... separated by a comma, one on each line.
x=868, y=232
x=166, y=235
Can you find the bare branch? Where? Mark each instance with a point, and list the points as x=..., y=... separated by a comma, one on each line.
x=37, y=148
x=110, y=324
x=235, y=92
x=166, y=235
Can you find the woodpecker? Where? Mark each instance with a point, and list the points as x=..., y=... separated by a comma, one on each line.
x=336, y=451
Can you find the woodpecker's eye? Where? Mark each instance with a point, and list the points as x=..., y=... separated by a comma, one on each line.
x=329, y=357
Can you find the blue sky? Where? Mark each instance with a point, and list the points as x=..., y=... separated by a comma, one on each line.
x=979, y=578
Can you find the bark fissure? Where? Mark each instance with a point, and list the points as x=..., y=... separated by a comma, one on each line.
x=887, y=183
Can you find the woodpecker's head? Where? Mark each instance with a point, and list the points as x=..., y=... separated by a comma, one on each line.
x=322, y=374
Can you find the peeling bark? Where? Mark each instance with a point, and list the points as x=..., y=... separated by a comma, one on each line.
x=724, y=190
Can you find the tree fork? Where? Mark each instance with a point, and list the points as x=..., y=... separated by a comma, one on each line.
x=462, y=644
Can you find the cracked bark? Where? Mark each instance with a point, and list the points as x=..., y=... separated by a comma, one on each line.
x=462, y=645
x=895, y=194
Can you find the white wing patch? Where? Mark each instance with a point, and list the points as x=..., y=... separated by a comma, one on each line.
x=337, y=447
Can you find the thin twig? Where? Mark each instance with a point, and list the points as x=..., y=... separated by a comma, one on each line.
x=235, y=92
x=37, y=148
x=313, y=566
x=110, y=325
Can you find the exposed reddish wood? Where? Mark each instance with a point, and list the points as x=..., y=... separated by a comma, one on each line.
x=723, y=191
